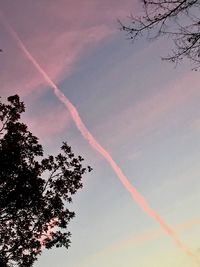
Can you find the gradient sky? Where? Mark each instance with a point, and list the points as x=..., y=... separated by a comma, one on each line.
x=145, y=112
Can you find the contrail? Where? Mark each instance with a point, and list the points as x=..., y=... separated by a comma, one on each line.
x=149, y=235
x=136, y=240
x=139, y=199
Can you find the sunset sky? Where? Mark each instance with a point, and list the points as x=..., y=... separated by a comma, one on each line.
x=141, y=110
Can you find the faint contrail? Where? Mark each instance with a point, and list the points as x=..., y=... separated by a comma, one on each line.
x=149, y=235
x=135, y=240
x=140, y=200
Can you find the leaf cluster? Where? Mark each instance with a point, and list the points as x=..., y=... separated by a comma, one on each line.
x=34, y=190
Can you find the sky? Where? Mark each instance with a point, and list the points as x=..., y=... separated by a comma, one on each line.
x=144, y=112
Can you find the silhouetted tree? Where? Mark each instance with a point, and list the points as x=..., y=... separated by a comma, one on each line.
x=179, y=19
x=33, y=192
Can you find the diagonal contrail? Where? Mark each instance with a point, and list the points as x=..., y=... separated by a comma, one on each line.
x=136, y=240
x=139, y=199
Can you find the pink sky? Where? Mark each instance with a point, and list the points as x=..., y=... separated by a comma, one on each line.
x=79, y=47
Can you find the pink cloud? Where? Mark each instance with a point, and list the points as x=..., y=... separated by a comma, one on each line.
x=195, y=125
x=136, y=196
x=150, y=113
x=138, y=240
x=150, y=235
x=58, y=34
x=50, y=123
x=57, y=55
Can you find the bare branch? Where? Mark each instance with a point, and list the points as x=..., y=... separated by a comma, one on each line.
x=178, y=19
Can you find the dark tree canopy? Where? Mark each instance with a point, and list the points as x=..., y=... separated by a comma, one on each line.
x=179, y=19
x=33, y=191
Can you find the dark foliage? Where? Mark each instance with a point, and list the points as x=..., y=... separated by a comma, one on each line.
x=179, y=19
x=33, y=192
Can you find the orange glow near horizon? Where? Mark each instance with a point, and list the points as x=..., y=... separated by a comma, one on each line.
x=137, y=197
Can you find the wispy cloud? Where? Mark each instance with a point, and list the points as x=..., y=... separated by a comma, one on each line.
x=195, y=125
x=50, y=123
x=135, y=194
x=58, y=35
x=139, y=239
x=151, y=113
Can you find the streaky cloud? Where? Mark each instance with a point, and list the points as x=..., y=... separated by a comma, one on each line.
x=139, y=198
x=137, y=240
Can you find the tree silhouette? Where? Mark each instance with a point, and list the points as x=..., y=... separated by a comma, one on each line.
x=33, y=192
x=179, y=19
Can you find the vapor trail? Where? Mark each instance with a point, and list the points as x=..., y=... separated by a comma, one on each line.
x=135, y=240
x=139, y=199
